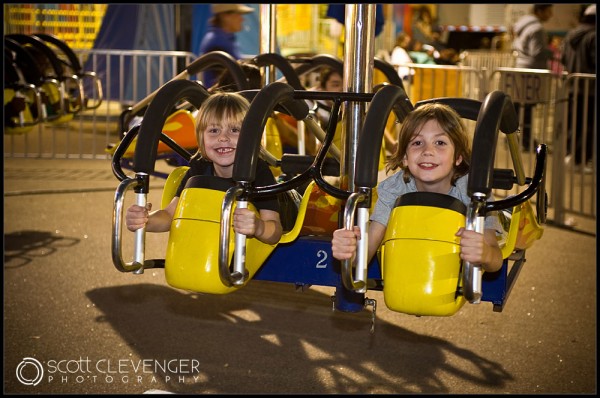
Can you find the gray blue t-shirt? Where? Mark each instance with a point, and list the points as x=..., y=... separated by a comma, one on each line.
x=394, y=186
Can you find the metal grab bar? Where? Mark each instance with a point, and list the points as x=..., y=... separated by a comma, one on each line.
x=359, y=285
x=79, y=98
x=472, y=273
x=98, y=84
x=140, y=185
x=21, y=91
x=240, y=274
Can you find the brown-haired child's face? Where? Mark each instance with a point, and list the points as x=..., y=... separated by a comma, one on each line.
x=334, y=83
x=430, y=158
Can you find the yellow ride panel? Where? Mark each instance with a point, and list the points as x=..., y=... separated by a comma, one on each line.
x=421, y=266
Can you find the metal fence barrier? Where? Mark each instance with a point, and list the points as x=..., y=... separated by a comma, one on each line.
x=534, y=91
x=576, y=129
x=433, y=81
x=488, y=60
x=127, y=77
x=554, y=100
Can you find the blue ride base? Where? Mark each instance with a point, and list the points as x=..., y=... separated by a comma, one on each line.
x=309, y=261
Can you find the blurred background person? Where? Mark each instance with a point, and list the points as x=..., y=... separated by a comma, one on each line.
x=442, y=54
x=400, y=57
x=421, y=53
x=423, y=25
x=329, y=80
x=530, y=40
x=227, y=20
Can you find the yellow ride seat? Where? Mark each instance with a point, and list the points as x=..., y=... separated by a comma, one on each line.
x=180, y=126
x=420, y=254
x=421, y=266
x=192, y=259
x=273, y=142
x=23, y=123
x=523, y=228
x=54, y=99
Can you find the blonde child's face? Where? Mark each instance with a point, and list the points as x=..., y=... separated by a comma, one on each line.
x=430, y=159
x=220, y=143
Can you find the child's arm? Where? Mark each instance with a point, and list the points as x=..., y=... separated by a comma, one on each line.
x=344, y=242
x=266, y=227
x=157, y=221
x=480, y=249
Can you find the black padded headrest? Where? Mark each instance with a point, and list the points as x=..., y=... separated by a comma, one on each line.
x=432, y=199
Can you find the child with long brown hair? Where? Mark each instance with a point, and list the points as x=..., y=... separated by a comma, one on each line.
x=433, y=155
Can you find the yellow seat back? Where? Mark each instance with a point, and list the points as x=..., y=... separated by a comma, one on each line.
x=421, y=266
x=179, y=126
x=54, y=98
x=171, y=185
x=192, y=259
x=523, y=230
x=273, y=142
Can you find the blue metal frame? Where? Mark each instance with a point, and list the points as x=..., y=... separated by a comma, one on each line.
x=308, y=261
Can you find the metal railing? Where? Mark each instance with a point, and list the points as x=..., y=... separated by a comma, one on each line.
x=576, y=130
x=487, y=59
x=127, y=77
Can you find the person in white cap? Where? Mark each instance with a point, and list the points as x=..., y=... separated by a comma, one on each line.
x=227, y=19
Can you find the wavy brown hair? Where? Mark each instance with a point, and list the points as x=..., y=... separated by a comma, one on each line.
x=450, y=122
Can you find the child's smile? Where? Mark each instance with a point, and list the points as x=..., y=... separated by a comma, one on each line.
x=430, y=159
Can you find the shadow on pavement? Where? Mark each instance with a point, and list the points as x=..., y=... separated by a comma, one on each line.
x=21, y=247
x=264, y=338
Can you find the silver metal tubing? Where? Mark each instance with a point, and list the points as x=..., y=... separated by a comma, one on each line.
x=359, y=284
x=98, y=91
x=472, y=273
x=515, y=153
x=359, y=50
x=139, y=246
x=238, y=276
x=239, y=254
x=117, y=224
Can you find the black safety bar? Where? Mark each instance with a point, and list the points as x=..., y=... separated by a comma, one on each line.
x=244, y=167
x=25, y=62
x=369, y=142
x=496, y=107
x=155, y=116
x=388, y=70
x=213, y=58
x=276, y=96
x=74, y=63
x=309, y=64
x=75, y=66
x=220, y=58
x=46, y=51
x=281, y=63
